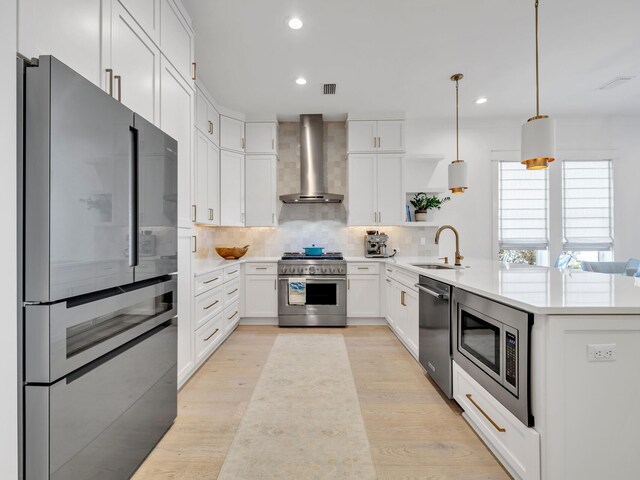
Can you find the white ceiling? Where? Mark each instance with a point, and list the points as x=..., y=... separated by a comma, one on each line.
x=397, y=56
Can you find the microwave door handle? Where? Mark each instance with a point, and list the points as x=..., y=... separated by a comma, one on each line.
x=439, y=296
x=133, y=197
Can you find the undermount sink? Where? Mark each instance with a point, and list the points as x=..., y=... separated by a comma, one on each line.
x=436, y=266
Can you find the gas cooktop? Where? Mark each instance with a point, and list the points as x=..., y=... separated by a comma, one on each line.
x=302, y=256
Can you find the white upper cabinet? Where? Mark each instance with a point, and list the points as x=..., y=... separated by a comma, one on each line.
x=260, y=187
x=375, y=190
x=207, y=118
x=231, y=189
x=176, y=119
x=134, y=63
x=261, y=137
x=375, y=136
x=176, y=39
x=231, y=134
x=147, y=14
x=362, y=189
x=206, y=181
x=391, y=204
x=69, y=30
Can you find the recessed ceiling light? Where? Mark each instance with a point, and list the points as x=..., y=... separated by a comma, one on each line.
x=301, y=81
x=295, y=23
x=481, y=100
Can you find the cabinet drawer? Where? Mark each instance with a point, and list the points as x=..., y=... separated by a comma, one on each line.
x=208, y=305
x=231, y=316
x=363, y=268
x=206, y=282
x=231, y=292
x=261, y=269
x=515, y=444
x=231, y=272
x=406, y=277
x=209, y=337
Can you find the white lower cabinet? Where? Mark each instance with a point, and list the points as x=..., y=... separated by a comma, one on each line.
x=261, y=296
x=209, y=337
x=362, y=295
x=402, y=309
x=231, y=189
x=186, y=346
x=392, y=306
x=231, y=316
x=516, y=445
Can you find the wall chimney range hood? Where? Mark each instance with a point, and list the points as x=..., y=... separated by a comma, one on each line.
x=312, y=165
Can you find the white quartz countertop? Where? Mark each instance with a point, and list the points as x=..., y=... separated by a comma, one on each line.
x=206, y=265
x=543, y=290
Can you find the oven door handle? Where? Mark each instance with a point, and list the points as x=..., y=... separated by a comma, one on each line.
x=438, y=295
x=313, y=279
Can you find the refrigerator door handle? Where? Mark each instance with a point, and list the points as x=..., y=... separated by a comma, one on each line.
x=133, y=197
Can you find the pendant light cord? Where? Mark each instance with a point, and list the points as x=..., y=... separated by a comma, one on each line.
x=457, y=143
x=537, y=74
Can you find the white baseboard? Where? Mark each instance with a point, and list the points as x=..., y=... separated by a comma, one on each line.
x=258, y=321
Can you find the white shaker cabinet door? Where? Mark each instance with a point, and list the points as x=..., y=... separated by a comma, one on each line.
x=411, y=329
x=201, y=180
x=69, y=30
x=391, y=135
x=361, y=136
x=231, y=188
x=147, y=14
x=362, y=196
x=362, y=296
x=390, y=292
x=261, y=296
x=231, y=133
x=186, y=339
x=260, y=187
x=390, y=190
x=176, y=39
x=135, y=61
x=176, y=119
x=213, y=184
x=261, y=137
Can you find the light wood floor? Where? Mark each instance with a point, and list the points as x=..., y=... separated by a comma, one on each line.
x=414, y=432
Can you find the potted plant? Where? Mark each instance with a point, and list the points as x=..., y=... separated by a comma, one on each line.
x=426, y=205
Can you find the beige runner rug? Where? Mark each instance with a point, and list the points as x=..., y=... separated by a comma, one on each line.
x=303, y=420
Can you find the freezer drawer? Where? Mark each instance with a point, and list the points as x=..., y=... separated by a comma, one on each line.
x=65, y=336
x=104, y=419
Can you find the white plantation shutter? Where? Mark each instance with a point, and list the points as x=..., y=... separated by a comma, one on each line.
x=523, y=207
x=587, y=205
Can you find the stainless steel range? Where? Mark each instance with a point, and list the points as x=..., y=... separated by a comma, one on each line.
x=312, y=290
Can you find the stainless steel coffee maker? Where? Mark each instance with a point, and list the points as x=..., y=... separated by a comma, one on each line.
x=375, y=244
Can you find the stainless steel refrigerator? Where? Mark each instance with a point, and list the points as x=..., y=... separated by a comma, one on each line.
x=99, y=278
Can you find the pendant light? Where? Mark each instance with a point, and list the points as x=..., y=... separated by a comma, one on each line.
x=539, y=132
x=458, y=176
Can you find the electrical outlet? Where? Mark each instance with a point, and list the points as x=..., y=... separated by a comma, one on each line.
x=601, y=352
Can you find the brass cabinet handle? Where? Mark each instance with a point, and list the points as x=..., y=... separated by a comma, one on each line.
x=389, y=270
x=349, y=284
x=495, y=425
x=210, y=126
x=243, y=144
x=402, y=294
x=363, y=268
x=211, y=214
x=110, y=73
x=212, y=280
x=208, y=307
x=195, y=244
x=275, y=284
x=232, y=291
x=388, y=281
x=118, y=78
x=261, y=268
x=214, y=332
x=229, y=318
x=235, y=271
x=193, y=213
x=195, y=67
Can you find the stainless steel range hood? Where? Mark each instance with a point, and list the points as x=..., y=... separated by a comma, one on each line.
x=312, y=165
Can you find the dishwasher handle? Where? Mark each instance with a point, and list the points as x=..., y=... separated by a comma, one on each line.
x=438, y=295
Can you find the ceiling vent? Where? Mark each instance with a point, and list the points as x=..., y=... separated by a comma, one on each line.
x=615, y=82
x=328, y=88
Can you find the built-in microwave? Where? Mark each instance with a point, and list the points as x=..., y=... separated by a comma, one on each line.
x=492, y=344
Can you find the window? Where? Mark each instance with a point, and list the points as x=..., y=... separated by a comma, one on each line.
x=587, y=210
x=523, y=204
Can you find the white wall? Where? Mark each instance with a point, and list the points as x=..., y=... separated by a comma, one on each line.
x=472, y=212
x=8, y=292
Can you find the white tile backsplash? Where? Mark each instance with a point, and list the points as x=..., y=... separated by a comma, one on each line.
x=307, y=224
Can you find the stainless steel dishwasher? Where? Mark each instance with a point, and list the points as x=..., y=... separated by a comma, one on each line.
x=435, y=331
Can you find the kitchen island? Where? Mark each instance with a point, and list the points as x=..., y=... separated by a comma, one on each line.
x=586, y=422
